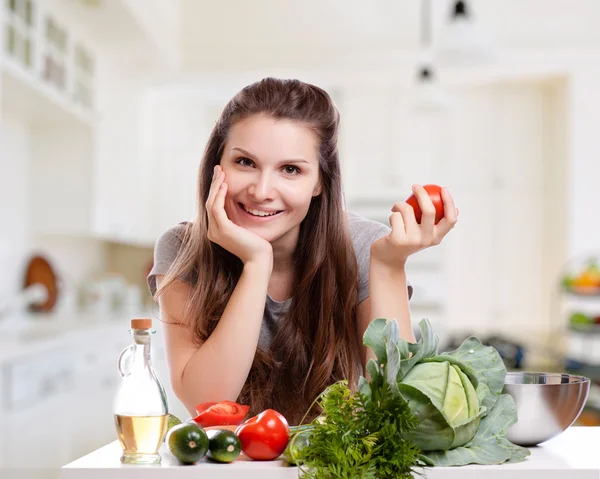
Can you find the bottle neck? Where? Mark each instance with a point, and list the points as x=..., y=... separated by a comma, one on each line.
x=141, y=348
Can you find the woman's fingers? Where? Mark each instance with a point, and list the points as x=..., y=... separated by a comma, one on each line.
x=218, y=208
x=397, y=225
x=218, y=176
x=450, y=215
x=411, y=227
x=427, y=209
x=213, y=188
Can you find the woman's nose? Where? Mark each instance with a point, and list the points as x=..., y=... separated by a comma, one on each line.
x=262, y=187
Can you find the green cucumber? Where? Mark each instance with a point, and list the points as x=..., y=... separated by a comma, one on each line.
x=224, y=445
x=187, y=442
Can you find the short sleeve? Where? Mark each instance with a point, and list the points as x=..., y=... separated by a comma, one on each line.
x=165, y=252
x=364, y=233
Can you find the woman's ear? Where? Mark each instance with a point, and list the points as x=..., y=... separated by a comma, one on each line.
x=318, y=189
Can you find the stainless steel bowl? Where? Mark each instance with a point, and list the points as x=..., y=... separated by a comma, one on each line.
x=547, y=404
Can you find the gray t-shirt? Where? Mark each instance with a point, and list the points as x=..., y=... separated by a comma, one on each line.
x=362, y=231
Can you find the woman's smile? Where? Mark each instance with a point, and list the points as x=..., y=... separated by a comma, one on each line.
x=259, y=214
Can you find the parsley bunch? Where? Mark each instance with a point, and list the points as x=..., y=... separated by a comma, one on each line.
x=362, y=434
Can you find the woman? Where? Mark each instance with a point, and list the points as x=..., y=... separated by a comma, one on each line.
x=272, y=225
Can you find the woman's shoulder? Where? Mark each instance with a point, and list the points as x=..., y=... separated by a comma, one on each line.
x=174, y=234
x=166, y=249
x=170, y=240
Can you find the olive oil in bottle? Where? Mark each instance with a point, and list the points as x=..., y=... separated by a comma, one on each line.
x=141, y=434
x=140, y=407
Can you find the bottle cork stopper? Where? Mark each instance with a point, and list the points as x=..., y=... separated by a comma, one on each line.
x=141, y=323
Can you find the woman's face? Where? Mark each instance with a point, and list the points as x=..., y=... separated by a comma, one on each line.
x=272, y=173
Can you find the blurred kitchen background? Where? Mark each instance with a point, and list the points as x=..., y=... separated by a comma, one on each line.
x=105, y=109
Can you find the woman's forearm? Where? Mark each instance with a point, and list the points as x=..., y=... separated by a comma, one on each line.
x=389, y=297
x=219, y=369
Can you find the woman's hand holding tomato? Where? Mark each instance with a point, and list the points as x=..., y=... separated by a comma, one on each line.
x=421, y=221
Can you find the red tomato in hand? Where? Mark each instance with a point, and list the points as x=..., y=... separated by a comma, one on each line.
x=220, y=414
x=435, y=193
x=264, y=437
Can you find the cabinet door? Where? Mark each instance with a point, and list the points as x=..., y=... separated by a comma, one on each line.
x=122, y=174
x=499, y=249
x=38, y=436
x=92, y=405
x=177, y=130
x=367, y=158
x=471, y=247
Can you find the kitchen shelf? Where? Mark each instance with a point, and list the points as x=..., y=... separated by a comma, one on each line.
x=585, y=328
x=28, y=98
x=592, y=293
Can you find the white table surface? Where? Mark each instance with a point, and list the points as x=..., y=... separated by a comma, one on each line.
x=575, y=454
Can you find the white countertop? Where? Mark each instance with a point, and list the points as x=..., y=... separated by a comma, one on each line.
x=574, y=454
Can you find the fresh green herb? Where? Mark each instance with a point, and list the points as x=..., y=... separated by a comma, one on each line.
x=362, y=434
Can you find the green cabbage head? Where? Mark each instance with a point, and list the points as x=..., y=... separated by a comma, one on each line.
x=444, y=399
x=456, y=396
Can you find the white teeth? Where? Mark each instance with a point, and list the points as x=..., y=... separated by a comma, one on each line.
x=259, y=212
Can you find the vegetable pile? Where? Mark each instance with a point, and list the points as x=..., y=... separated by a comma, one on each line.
x=219, y=432
x=419, y=408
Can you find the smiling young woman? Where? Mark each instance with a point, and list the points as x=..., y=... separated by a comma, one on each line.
x=266, y=295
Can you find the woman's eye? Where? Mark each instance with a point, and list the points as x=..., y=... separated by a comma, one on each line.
x=291, y=170
x=244, y=161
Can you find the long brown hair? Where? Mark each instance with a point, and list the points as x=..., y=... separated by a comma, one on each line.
x=316, y=343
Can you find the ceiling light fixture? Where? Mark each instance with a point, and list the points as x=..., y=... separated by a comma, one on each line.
x=429, y=94
x=461, y=42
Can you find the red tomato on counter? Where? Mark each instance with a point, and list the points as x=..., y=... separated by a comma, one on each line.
x=435, y=193
x=264, y=437
x=222, y=413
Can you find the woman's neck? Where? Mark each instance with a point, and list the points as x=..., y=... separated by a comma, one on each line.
x=283, y=252
x=280, y=284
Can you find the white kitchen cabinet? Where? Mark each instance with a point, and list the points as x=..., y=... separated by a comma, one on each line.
x=501, y=260
x=122, y=193
x=57, y=400
x=471, y=248
x=92, y=421
x=37, y=387
x=38, y=440
x=177, y=127
x=61, y=175
x=369, y=162
x=500, y=136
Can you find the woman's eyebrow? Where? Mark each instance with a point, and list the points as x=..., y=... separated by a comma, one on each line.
x=247, y=153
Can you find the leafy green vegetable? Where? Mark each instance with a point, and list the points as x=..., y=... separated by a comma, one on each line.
x=360, y=437
x=455, y=396
x=363, y=434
